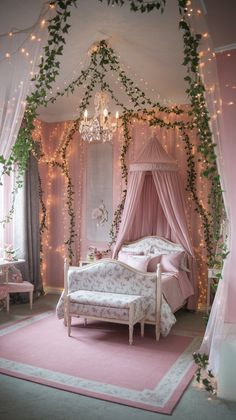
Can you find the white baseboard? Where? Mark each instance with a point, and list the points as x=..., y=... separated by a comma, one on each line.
x=53, y=290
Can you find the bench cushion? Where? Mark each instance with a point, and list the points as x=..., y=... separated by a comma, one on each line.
x=107, y=305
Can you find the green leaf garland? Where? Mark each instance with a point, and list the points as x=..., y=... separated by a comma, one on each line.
x=104, y=60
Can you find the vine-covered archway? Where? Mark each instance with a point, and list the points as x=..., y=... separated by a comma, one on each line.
x=103, y=59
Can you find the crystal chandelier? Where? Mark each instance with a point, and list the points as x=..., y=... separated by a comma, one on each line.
x=100, y=127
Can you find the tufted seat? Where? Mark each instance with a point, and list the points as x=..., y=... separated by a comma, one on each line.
x=115, y=307
x=23, y=287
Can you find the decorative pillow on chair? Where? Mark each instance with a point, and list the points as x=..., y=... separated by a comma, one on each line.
x=171, y=262
x=140, y=262
x=14, y=275
x=152, y=265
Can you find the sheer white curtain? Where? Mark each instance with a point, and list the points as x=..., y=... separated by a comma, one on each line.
x=23, y=33
x=217, y=328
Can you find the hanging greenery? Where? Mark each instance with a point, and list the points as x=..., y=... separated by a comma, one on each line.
x=48, y=70
x=124, y=174
x=103, y=60
x=206, y=148
x=140, y=5
x=43, y=224
x=203, y=375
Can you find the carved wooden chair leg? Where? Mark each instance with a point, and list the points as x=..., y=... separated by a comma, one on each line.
x=65, y=312
x=131, y=329
x=31, y=299
x=131, y=323
x=157, y=332
x=69, y=325
x=8, y=302
x=68, y=316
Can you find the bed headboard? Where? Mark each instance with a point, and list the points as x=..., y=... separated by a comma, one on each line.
x=152, y=245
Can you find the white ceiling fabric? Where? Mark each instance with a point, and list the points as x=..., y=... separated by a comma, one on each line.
x=150, y=44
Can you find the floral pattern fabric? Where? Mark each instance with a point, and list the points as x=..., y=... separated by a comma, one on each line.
x=112, y=276
x=153, y=245
x=108, y=305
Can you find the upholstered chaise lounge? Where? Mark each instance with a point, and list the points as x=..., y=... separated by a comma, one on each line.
x=110, y=290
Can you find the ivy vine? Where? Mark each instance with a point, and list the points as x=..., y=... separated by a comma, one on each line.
x=48, y=70
x=204, y=375
x=140, y=5
x=206, y=148
x=103, y=60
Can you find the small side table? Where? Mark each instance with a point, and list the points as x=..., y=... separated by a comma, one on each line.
x=212, y=274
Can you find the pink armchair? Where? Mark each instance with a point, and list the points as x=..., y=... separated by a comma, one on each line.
x=19, y=286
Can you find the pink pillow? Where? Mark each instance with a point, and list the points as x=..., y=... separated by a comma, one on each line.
x=171, y=262
x=184, y=262
x=152, y=265
x=140, y=262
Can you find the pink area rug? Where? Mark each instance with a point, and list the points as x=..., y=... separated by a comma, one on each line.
x=97, y=360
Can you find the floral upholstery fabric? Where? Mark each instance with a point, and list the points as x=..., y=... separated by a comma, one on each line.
x=100, y=312
x=153, y=245
x=167, y=318
x=112, y=276
x=109, y=305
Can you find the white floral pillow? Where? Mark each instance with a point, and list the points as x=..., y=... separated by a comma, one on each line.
x=140, y=262
x=123, y=255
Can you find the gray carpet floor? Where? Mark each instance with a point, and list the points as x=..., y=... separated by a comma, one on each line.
x=25, y=400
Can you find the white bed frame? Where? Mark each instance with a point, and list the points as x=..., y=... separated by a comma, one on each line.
x=153, y=245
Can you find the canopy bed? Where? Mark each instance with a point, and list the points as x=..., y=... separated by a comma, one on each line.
x=95, y=291
x=155, y=205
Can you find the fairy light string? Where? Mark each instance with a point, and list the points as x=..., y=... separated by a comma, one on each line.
x=104, y=60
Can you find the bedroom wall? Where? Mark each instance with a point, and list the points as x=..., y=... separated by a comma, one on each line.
x=84, y=165
x=226, y=64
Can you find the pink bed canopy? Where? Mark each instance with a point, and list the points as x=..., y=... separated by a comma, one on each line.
x=155, y=204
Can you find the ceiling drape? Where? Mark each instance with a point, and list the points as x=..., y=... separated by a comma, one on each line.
x=155, y=161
